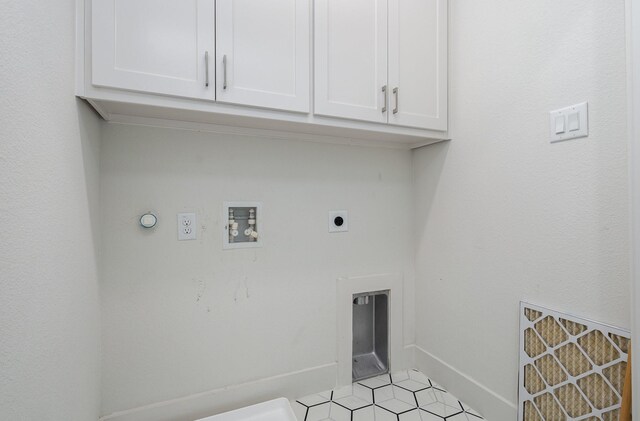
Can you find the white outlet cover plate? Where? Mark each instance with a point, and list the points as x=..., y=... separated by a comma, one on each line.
x=187, y=226
x=576, y=123
x=332, y=218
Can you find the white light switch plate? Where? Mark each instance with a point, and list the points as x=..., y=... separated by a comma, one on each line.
x=186, y=226
x=569, y=123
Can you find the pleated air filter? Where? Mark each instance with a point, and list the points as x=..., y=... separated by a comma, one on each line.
x=570, y=368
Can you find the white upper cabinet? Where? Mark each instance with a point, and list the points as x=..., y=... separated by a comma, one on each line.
x=351, y=59
x=418, y=63
x=262, y=53
x=157, y=46
x=343, y=70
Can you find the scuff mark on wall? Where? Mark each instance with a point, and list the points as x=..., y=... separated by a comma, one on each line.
x=202, y=286
x=242, y=291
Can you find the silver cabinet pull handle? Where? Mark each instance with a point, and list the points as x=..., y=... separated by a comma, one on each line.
x=395, y=92
x=384, y=107
x=224, y=70
x=206, y=69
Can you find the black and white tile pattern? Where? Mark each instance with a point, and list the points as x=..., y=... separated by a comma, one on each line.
x=404, y=396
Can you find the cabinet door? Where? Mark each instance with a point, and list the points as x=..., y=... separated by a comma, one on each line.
x=351, y=59
x=262, y=53
x=418, y=63
x=156, y=46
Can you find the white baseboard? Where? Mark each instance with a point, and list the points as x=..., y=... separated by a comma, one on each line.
x=408, y=360
x=491, y=405
x=290, y=385
x=312, y=380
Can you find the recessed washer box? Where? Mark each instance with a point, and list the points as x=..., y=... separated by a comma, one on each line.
x=242, y=225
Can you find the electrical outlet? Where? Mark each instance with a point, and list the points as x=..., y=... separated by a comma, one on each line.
x=186, y=226
x=338, y=221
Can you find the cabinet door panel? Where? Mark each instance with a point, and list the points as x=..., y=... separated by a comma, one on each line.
x=351, y=58
x=418, y=63
x=154, y=46
x=262, y=53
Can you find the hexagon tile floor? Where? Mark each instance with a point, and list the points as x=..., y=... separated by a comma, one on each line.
x=404, y=396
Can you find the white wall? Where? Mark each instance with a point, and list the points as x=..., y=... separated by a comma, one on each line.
x=633, y=20
x=181, y=318
x=507, y=216
x=49, y=141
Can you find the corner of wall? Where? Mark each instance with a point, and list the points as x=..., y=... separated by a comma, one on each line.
x=490, y=404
